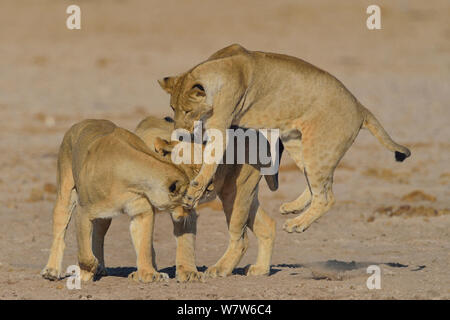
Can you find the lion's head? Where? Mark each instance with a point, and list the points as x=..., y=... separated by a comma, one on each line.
x=188, y=99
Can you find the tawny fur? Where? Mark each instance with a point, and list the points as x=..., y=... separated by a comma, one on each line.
x=103, y=171
x=317, y=116
x=237, y=187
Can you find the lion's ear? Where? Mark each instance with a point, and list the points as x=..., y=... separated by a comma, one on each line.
x=197, y=91
x=167, y=83
x=163, y=147
x=207, y=88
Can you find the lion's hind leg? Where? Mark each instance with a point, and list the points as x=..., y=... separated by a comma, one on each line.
x=62, y=212
x=324, y=144
x=87, y=262
x=236, y=212
x=263, y=226
x=100, y=228
x=293, y=147
x=320, y=204
x=239, y=198
x=61, y=217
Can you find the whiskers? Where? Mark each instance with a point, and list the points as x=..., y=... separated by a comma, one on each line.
x=190, y=219
x=184, y=216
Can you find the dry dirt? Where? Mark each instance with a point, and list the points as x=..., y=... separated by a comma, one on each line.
x=51, y=77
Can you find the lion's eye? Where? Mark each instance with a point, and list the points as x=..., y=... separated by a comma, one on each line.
x=173, y=187
x=172, y=107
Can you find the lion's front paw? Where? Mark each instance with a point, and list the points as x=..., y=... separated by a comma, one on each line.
x=216, y=271
x=51, y=274
x=89, y=269
x=190, y=276
x=255, y=270
x=194, y=193
x=86, y=275
x=148, y=276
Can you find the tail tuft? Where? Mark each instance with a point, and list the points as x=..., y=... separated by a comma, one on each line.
x=371, y=123
x=399, y=156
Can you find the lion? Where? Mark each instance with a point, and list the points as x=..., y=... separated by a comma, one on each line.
x=237, y=187
x=103, y=171
x=316, y=114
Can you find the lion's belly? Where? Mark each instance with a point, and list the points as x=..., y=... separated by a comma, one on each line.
x=269, y=116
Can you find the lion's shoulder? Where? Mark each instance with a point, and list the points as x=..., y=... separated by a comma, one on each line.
x=231, y=50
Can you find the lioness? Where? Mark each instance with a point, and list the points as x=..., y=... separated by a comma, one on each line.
x=104, y=170
x=237, y=187
x=317, y=116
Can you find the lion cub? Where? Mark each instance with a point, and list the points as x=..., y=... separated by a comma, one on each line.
x=104, y=170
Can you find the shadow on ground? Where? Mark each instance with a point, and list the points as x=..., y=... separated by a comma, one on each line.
x=330, y=269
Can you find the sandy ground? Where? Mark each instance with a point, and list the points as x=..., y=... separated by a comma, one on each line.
x=51, y=77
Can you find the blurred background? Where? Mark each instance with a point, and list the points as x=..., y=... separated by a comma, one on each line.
x=112, y=64
x=52, y=77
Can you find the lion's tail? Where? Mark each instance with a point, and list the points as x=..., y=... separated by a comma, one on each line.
x=371, y=123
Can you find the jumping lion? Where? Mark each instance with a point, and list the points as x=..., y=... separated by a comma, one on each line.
x=317, y=116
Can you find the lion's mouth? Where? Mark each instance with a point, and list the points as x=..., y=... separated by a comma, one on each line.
x=181, y=214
